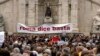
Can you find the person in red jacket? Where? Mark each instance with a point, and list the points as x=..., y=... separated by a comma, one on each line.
x=55, y=39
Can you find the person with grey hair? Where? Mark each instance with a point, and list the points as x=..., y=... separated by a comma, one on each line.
x=47, y=52
x=16, y=52
x=27, y=51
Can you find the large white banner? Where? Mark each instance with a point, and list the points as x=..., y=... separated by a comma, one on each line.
x=45, y=28
x=2, y=38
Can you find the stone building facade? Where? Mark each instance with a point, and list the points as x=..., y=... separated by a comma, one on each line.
x=32, y=12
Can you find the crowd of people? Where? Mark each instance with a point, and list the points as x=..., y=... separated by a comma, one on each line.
x=51, y=45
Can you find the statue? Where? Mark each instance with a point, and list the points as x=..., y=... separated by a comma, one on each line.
x=96, y=20
x=48, y=11
x=48, y=14
x=1, y=23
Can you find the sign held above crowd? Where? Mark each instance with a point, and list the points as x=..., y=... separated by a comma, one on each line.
x=45, y=28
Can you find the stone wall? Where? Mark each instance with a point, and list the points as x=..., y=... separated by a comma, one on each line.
x=31, y=12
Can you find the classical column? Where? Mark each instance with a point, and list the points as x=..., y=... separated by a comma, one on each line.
x=15, y=15
x=31, y=20
x=7, y=12
x=64, y=11
x=22, y=11
x=74, y=15
x=36, y=12
x=60, y=12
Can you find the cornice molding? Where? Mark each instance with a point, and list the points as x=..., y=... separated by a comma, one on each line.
x=2, y=2
x=95, y=2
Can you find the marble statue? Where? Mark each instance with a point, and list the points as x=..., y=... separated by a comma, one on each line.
x=1, y=23
x=96, y=20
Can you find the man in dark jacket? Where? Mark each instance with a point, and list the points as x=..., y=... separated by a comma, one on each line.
x=4, y=52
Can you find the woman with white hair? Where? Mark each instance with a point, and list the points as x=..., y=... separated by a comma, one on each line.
x=47, y=52
x=27, y=51
x=16, y=52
